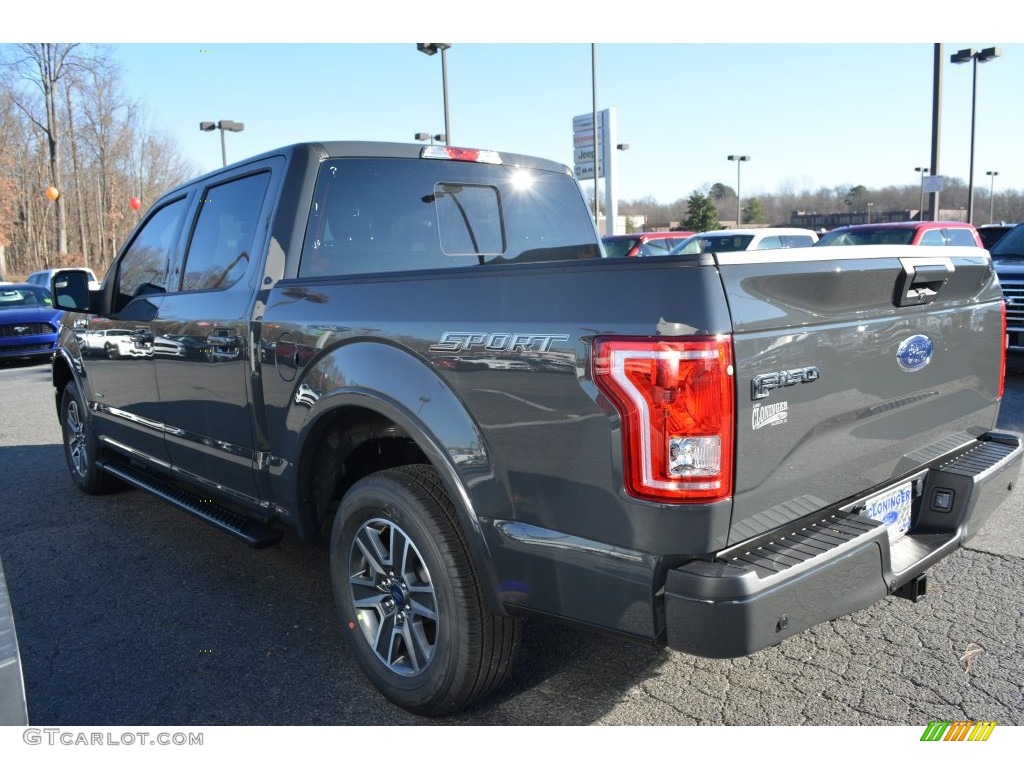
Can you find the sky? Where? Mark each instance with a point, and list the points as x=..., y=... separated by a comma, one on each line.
x=810, y=110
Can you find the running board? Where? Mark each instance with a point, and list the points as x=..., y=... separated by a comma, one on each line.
x=255, y=533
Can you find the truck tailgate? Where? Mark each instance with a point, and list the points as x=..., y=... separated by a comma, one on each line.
x=853, y=366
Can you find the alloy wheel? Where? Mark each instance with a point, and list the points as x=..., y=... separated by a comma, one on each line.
x=394, y=597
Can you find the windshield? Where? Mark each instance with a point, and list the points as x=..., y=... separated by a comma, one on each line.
x=24, y=296
x=712, y=243
x=880, y=236
x=618, y=247
x=992, y=235
x=1011, y=246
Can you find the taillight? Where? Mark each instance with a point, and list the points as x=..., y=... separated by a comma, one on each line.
x=1006, y=342
x=677, y=403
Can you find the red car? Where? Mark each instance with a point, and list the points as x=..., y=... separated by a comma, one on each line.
x=642, y=244
x=905, y=233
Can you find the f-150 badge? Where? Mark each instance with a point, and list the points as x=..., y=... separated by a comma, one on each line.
x=762, y=385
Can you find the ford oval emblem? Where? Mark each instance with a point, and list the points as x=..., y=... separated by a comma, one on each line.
x=914, y=353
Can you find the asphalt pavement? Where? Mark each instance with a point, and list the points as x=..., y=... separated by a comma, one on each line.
x=129, y=613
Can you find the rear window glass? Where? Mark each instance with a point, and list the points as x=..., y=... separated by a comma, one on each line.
x=394, y=215
x=888, y=236
x=725, y=243
x=772, y=241
x=960, y=237
x=469, y=220
x=618, y=247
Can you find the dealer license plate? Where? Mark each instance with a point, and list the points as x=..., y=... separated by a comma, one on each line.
x=891, y=507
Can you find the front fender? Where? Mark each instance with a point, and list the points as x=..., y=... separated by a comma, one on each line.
x=67, y=366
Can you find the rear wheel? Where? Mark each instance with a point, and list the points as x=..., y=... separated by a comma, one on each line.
x=80, y=448
x=412, y=609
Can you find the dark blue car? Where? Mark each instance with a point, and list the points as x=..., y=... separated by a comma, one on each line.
x=28, y=322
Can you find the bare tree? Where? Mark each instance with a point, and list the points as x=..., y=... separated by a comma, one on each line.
x=45, y=66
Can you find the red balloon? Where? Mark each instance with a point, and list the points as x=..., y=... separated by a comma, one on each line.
x=135, y=203
x=52, y=193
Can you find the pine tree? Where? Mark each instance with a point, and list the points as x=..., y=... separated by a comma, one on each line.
x=701, y=213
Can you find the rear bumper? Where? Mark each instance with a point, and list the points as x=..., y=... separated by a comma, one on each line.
x=755, y=596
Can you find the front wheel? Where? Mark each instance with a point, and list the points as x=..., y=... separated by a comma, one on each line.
x=80, y=444
x=410, y=603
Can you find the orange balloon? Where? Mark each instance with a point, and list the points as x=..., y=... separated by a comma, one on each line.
x=52, y=193
x=135, y=203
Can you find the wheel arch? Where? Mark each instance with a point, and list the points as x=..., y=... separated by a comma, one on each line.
x=362, y=407
x=64, y=370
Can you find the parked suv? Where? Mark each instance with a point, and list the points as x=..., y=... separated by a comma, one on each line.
x=1008, y=259
x=991, y=234
x=642, y=244
x=905, y=233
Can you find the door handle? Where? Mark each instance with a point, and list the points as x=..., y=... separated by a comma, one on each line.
x=224, y=344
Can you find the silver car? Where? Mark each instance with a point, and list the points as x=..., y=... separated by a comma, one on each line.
x=13, y=709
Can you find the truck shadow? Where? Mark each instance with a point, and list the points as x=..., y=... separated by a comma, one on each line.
x=130, y=612
x=568, y=676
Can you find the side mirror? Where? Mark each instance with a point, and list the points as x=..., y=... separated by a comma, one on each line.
x=70, y=289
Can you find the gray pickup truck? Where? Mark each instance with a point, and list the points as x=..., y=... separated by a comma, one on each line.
x=424, y=354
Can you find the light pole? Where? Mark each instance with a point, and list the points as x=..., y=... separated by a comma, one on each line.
x=223, y=125
x=870, y=205
x=739, y=159
x=962, y=57
x=430, y=49
x=991, y=196
x=923, y=170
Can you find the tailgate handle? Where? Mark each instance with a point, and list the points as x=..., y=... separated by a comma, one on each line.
x=920, y=283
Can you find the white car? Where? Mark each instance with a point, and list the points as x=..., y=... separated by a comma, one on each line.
x=114, y=343
x=765, y=238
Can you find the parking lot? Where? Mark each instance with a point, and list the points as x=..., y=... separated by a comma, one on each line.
x=129, y=612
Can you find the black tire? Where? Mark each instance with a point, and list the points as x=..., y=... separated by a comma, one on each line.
x=80, y=447
x=113, y=353
x=417, y=621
